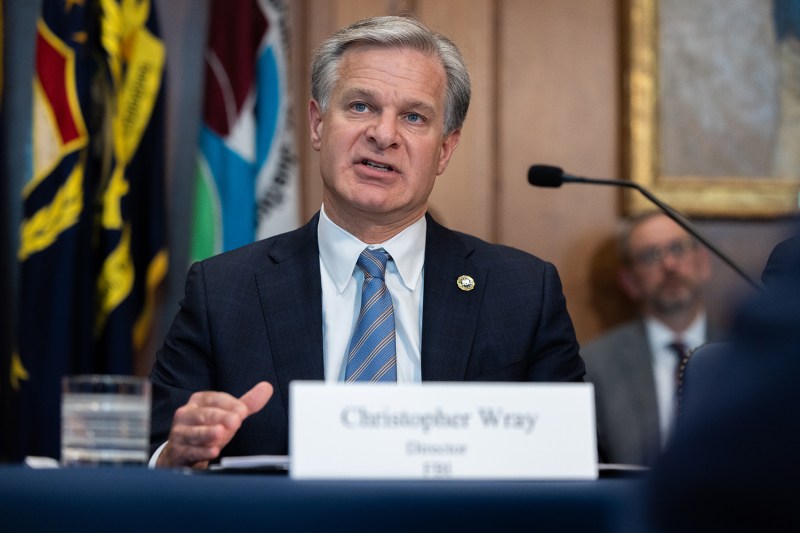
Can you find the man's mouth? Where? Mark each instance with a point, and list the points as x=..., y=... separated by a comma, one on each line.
x=377, y=166
x=674, y=284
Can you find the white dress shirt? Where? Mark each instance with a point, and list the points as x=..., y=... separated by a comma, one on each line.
x=665, y=363
x=342, y=281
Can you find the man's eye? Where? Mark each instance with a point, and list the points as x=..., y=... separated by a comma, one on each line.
x=414, y=118
x=359, y=107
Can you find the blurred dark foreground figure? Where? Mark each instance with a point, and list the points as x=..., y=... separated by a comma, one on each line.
x=734, y=461
x=779, y=264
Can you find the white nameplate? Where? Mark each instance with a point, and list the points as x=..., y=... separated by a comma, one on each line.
x=443, y=430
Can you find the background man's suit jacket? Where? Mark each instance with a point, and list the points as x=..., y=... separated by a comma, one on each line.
x=255, y=314
x=619, y=364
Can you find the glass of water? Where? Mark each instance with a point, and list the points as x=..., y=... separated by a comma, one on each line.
x=105, y=420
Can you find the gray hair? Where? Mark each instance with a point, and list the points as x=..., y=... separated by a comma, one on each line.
x=394, y=32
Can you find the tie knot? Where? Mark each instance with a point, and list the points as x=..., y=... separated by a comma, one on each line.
x=679, y=349
x=373, y=262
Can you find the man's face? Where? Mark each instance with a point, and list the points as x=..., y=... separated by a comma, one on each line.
x=667, y=270
x=380, y=140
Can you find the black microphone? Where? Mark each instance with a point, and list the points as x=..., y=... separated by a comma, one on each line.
x=549, y=176
x=545, y=176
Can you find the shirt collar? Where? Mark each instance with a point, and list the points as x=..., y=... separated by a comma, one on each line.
x=661, y=335
x=339, y=251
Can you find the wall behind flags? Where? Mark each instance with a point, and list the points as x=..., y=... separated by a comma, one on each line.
x=547, y=89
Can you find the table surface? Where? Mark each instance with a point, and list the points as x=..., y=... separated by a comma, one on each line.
x=129, y=498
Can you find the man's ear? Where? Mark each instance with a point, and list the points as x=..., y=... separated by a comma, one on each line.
x=449, y=144
x=315, y=123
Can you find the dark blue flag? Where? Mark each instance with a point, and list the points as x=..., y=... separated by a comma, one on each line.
x=92, y=249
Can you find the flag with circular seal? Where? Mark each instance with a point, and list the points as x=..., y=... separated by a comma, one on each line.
x=247, y=170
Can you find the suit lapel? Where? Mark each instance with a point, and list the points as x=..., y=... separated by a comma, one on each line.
x=450, y=314
x=291, y=300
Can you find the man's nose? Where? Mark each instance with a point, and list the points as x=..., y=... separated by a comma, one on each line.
x=383, y=131
x=669, y=260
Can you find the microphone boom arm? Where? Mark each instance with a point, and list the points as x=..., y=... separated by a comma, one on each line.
x=674, y=215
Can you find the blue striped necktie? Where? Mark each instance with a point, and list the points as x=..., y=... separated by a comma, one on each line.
x=372, y=355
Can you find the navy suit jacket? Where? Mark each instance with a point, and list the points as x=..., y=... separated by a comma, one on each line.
x=732, y=463
x=255, y=314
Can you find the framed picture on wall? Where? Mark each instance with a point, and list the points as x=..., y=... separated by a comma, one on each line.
x=712, y=105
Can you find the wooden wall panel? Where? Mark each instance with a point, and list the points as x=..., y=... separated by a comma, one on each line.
x=465, y=195
x=557, y=91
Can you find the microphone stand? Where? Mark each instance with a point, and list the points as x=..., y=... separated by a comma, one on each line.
x=674, y=215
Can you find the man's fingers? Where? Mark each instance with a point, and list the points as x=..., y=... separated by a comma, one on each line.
x=199, y=436
x=219, y=400
x=175, y=455
x=194, y=445
x=256, y=398
x=190, y=415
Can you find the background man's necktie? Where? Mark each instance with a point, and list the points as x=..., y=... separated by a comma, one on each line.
x=681, y=352
x=372, y=355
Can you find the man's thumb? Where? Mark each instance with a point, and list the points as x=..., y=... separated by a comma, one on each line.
x=256, y=398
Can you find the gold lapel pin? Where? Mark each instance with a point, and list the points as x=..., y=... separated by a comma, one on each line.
x=465, y=283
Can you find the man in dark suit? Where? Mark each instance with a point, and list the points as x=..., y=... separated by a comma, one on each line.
x=389, y=98
x=634, y=366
